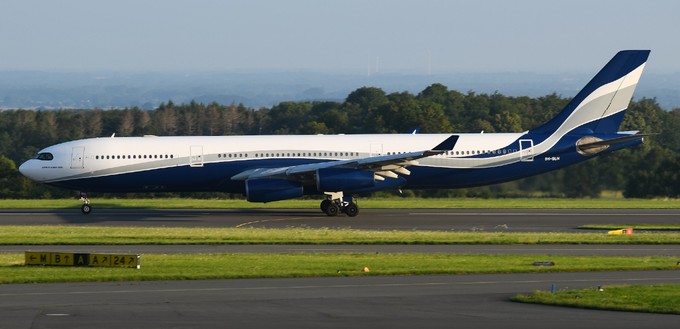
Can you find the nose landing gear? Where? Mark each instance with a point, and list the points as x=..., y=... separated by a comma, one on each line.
x=85, y=208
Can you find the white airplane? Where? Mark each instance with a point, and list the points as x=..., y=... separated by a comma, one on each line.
x=271, y=168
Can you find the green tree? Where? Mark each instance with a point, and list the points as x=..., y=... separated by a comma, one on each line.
x=165, y=120
x=8, y=177
x=362, y=107
x=506, y=122
x=332, y=115
x=656, y=175
x=452, y=101
x=367, y=98
x=582, y=181
x=289, y=117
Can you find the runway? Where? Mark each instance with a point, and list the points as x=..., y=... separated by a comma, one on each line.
x=439, y=301
x=487, y=220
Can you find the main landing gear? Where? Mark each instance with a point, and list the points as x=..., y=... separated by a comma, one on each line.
x=335, y=204
x=85, y=208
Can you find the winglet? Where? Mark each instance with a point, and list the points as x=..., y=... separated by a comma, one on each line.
x=448, y=144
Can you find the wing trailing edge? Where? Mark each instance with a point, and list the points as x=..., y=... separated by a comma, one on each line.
x=383, y=165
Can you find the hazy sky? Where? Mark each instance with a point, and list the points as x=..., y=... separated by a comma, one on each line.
x=351, y=36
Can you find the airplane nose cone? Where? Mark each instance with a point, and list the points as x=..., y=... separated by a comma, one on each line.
x=27, y=170
x=22, y=169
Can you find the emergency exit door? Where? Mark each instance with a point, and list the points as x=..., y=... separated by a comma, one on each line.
x=526, y=150
x=196, y=156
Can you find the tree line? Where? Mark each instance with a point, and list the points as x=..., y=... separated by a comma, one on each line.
x=650, y=170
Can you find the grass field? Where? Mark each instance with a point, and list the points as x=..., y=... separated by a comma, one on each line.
x=655, y=298
x=229, y=266
x=368, y=203
x=83, y=235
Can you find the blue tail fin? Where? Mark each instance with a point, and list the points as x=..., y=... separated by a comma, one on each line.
x=599, y=107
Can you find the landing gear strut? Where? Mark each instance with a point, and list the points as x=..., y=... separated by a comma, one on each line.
x=336, y=203
x=85, y=208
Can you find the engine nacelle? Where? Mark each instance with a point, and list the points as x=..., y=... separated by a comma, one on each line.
x=268, y=190
x=343, y=179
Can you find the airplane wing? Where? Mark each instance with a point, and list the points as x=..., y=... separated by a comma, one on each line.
x=382, y=166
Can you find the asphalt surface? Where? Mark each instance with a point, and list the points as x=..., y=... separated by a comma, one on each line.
x=508, y=220
x=449, y=301
x=445, y=301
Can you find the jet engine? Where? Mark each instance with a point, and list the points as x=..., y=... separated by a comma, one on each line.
x=343, y=179
x=271, y=189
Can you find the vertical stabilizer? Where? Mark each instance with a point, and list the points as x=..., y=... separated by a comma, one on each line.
x=599, y=107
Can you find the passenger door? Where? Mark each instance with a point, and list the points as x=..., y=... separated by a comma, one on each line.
x=77, y=157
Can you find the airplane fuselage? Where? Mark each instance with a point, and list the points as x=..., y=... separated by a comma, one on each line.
x=175, y=164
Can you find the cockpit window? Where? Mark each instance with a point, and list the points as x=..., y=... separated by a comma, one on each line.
x=44, y=156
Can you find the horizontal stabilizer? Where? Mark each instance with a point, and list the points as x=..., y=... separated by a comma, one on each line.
x=613, y=141
x=591, y=145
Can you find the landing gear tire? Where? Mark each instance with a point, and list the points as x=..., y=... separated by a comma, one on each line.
x=86, y=209
x=332, y=210
x=325, y=204
x=335, y=203
x=352, y=209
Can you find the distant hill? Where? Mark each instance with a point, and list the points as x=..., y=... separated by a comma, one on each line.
x=32, y=89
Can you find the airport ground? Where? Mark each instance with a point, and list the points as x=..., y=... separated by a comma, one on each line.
x=432, y=301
